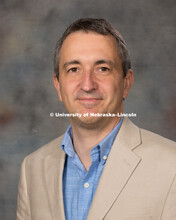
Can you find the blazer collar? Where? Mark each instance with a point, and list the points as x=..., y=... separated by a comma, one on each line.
x=129, y=135
x=120, y=165
x=53, y=169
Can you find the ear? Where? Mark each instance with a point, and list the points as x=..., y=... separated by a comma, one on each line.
x=128, y=81
x=57, y=86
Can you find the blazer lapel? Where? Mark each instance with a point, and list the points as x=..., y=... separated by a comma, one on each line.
x=53, y=170
x=119, y=167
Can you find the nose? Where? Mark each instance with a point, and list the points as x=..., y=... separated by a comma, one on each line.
x=88, y=82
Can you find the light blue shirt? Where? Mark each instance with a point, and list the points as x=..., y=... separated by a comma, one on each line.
x=79, y=185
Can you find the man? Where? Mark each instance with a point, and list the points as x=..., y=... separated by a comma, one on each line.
x=103, y=167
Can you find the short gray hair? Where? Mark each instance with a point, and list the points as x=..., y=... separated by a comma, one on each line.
x=100, y=26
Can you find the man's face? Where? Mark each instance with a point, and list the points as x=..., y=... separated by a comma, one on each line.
x=91, y=76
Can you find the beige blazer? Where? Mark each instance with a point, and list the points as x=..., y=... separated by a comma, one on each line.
x=138, y=181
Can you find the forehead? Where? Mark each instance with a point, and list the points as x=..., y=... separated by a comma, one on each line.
x=89, y=44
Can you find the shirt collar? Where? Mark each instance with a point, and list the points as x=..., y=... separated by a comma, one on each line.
x=105, y=145
x=67, y=143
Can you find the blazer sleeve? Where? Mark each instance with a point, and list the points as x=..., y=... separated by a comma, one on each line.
x=169, y=210
x=23, y=208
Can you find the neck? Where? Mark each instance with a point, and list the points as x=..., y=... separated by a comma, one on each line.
x=85, y=139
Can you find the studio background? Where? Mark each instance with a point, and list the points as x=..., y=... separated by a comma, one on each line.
x=29, y=31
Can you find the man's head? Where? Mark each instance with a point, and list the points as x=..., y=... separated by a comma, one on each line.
x=93, y=78
x=99, y=26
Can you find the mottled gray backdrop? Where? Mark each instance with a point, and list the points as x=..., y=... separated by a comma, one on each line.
x=29, y=31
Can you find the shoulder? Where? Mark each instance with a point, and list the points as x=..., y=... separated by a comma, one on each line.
x=152, y=139
x=46, y=150
x=148, y=144
x=160, y=152
x=133, y=132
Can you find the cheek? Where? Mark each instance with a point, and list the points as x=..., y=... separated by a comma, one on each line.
x=114, y=89
x=67, y=90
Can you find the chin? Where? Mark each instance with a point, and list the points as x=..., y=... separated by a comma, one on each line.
x=88, y=122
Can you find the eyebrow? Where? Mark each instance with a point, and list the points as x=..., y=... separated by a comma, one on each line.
x=66, y=64
x=103, y=61
x=110, y=62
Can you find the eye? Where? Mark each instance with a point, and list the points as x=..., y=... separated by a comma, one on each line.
x=103, y=69
x=73, y=70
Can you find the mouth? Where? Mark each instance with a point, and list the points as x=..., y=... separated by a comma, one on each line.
x=89, y=102
x=89, y=99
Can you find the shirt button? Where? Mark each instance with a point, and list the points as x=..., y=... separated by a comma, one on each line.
x=104, y=157
x=86, y=185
